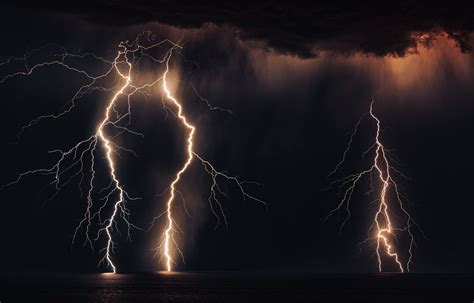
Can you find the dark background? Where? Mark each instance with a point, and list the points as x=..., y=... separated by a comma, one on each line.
x=287, y=131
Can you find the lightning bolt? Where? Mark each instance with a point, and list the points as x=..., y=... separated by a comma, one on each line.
x=116, y=122
x=168, y=240
x=79, y=151
x=383, y=229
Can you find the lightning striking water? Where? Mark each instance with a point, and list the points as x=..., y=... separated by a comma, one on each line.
x=114, y=123
x=383, y=230
x=168, y=238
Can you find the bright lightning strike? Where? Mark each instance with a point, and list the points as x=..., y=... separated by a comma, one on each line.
x=168, y=241
x=383, y=230
x=113, y=124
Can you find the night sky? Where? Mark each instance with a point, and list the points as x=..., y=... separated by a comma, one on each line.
x=296, y=80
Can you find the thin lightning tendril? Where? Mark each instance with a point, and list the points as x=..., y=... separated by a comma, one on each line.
x=383, y=226
x=72, y=161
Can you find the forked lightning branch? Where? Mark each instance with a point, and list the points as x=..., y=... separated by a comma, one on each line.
x=384, y=229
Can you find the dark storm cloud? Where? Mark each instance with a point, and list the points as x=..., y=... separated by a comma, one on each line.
x=302, y=30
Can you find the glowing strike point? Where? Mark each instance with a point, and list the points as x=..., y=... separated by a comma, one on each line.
x=383, y=228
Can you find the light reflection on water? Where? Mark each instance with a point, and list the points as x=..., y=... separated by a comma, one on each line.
x=234, y=287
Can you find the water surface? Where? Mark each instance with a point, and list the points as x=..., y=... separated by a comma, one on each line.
x=235, y=287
